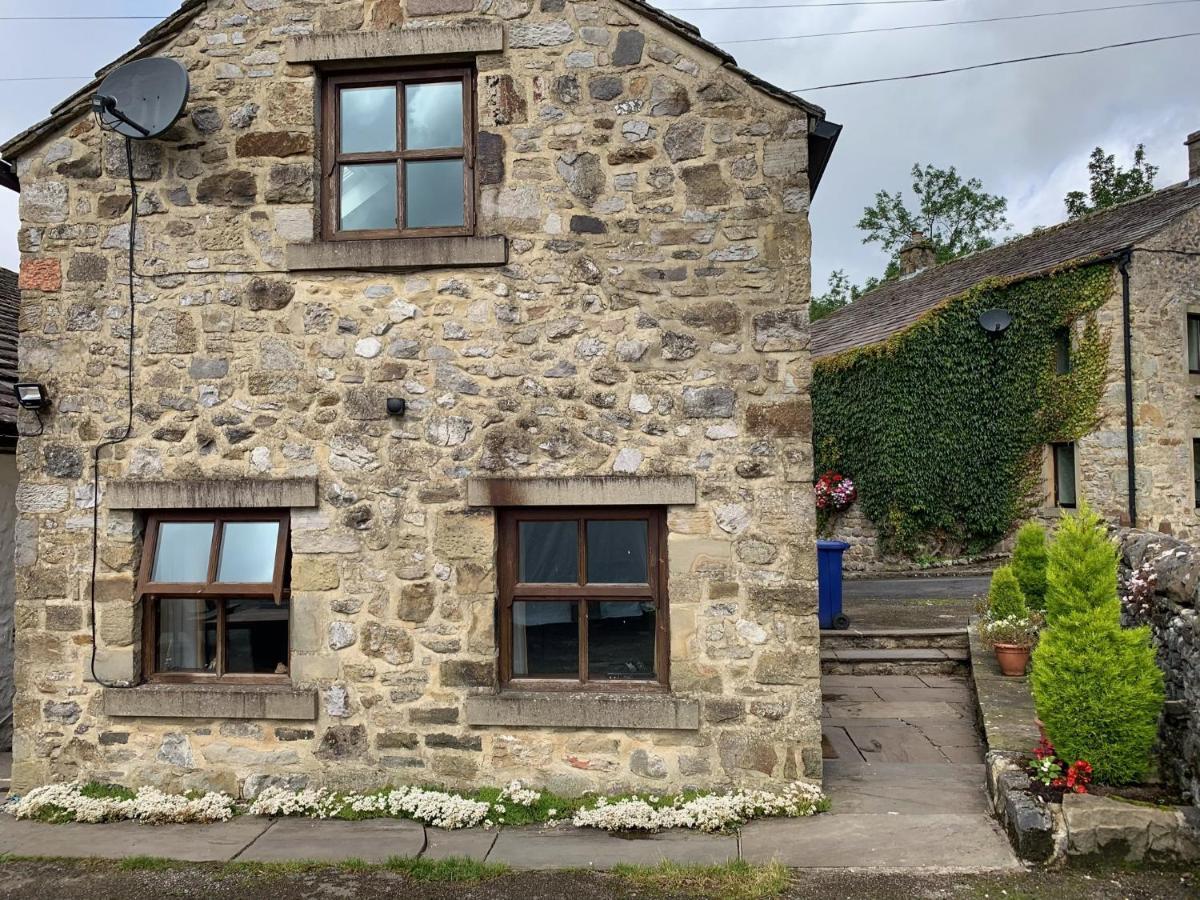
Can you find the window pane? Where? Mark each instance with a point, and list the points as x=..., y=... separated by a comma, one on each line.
x=1062, y=351
x=1064, y=471
x=187, y=635
x=248, y=553
x=617, y=552
x=549, y=553
x=434, y=194
x=545, y=640
x=433, y=116
x=1193, y=343
x=368, y=197
x=183, y=552
x=368, y=119
x=621, y=641
x=256, y=635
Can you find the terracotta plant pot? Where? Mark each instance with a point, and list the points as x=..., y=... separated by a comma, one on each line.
x=1013, y=659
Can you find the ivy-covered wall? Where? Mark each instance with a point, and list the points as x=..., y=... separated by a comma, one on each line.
x=943, y=427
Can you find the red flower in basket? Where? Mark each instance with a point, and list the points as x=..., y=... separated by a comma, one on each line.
x=835, y=491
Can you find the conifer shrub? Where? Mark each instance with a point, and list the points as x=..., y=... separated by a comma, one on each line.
x=1029, y=564
x=1081, y=569
x=1097, y=687
x=1005, y=599
x=1099, y=693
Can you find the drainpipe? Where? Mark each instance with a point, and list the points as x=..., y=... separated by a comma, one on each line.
x=1127, y=325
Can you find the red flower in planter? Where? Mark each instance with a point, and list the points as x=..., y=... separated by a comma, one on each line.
x=835, y=491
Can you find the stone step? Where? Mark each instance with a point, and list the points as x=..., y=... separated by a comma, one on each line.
x=895, y=661
x=896, y=638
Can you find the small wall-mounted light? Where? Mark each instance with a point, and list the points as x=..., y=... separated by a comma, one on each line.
x=396, y=406
x=31, y=396
x=996, y=321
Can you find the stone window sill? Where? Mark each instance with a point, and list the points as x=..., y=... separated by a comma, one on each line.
x=398, y=254
x=211, y=701
x=529, y=709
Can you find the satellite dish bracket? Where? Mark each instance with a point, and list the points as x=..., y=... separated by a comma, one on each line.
x=104, y=105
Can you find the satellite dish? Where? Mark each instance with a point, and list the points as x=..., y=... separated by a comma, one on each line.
x=996, y=321
x=142, y=99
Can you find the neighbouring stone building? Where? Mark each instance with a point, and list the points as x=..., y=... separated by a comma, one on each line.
x=10, y=305
x=573, y=237
x=1152, y=246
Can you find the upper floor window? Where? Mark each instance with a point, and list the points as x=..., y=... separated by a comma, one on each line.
x=1062, y=350
x=399, y=148
x=1193, y=339
x=582, y=599
x=214, y=586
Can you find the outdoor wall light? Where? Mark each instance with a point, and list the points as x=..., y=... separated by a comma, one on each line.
x=996, y=321
x=31, y=396
x=396, y=406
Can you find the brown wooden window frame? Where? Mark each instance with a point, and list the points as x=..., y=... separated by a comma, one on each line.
x=149, y=592
x=510, y=591
x=333, y=158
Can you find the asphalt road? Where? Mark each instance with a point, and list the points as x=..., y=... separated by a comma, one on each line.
x=934, y=588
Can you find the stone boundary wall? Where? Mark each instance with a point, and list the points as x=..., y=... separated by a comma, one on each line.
x=1172, y=617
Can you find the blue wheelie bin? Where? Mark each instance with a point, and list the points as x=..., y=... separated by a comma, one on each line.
x=829, y=584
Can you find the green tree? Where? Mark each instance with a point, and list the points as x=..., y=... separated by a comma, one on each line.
x=1081, y=569
x=958, y=216
x=1029, y=564
x=1005, y=600
x=840, y=292
x=1096, y=686
x=1111, y=184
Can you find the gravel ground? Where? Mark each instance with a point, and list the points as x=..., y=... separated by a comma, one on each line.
x=97, y=881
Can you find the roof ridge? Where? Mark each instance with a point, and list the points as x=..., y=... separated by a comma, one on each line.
x=895, y=304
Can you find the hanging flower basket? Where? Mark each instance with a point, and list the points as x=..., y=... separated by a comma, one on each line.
x=835, y=492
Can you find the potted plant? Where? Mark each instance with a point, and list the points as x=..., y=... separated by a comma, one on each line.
x=1012, y=640
x=1009, y=628
x=835, y=492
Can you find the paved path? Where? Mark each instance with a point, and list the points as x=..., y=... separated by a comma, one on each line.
x=904, y=769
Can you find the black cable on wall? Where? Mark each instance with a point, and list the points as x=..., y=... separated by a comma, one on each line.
x=133, y=217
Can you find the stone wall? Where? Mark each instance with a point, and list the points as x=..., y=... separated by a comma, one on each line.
x=8, y=516
x=1172, y=616
x=651, y=320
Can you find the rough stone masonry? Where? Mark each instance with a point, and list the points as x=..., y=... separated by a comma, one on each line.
x=648, y=317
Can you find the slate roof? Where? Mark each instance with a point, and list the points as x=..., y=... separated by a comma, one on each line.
x=162, y=33
x=893, y=306
x=10, y=311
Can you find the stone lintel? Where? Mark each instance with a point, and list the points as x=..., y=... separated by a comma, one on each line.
x=242, y=493
x=643, y=712
x=399, y=253
x=211, y=701
x=616, y=490
x=464, y=39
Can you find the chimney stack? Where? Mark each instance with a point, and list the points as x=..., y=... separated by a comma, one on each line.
x=1193, y=145
x=919, y=254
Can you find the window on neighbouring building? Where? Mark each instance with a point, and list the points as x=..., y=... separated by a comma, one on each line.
x=582, y=599
x=399, y=146
x=214, y=589
x=1064, y=475
x=1193, y=343
x=1062, y=350
x=1196, y=469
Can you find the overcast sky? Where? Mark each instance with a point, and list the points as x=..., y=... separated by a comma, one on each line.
x=1025, y=130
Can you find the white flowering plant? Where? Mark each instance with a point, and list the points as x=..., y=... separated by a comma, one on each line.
x=514, y=804
x=1021, y=631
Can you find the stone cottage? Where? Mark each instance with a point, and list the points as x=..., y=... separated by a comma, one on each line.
x=1140, y=465
x=470, y=428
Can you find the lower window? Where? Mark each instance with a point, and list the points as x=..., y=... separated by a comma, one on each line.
x=1064, y=475
x=582, y=599
x=214, y=590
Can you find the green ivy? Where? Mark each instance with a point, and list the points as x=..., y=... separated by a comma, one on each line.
x=942, y=427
